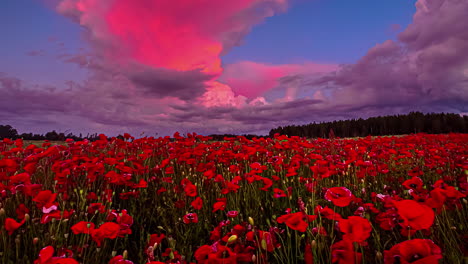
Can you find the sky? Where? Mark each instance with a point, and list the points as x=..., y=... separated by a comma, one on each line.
x=153, y=67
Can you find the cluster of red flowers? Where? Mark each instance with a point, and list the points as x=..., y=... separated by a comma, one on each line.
x=194, y=200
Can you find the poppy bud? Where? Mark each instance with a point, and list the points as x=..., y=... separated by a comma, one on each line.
x=251, y=221
x=313, y=244
x=232, y=239
x=125, y=254
x=264, y=244
x=378, y=255
x=26, y=217
x=254, y=258
x=2, y=212
x=35, y=240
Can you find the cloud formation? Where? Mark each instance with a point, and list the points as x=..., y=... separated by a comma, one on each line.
x=156, y=66
x=168, y=48
x=426, y=67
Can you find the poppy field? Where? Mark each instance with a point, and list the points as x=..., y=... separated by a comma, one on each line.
x=266, y=200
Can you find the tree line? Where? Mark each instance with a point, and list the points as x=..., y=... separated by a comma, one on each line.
x=7, y=131
x=414, y=122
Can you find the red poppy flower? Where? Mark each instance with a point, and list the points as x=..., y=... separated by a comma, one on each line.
x=190, y=190
x=22, y=178
x=46, y=257
x=96, y=208
x=46, y=218
x=155, y=239
x=356, y=228
x=190, y=218
x=414, y=183
x=119, y=260
x=308, y=254
x=421, y=251
x=278, y=193
x=294, y=221
x=343, y=253
x=82, y=227
x=45, y=199
x=202, y=253
x=339, y=196
x=223, y=255
x=106, y=230
x=219, y=205
x=197, y=204
x=232, y=214
x=327, y=213
x=21, y=211
x=11, y=225
x=415, y=216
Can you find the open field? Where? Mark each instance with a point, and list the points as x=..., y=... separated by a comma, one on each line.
x=194, y=200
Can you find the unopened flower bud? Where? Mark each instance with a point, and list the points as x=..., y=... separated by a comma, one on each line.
x=264, y=244
x=26, y=217
x=35, y=240
x=251, y=221
x=2, y=212
x=379, y=255
x=125, y=254
x=313, y=244
x=232, y=239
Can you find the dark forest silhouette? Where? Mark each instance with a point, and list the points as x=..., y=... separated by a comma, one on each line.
x=414, y=122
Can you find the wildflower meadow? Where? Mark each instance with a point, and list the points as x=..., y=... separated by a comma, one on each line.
x=190, y=199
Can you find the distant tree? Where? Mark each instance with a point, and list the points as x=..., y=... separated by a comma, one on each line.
x=7, y=131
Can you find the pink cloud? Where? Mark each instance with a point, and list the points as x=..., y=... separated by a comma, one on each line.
x=252, y=79
x=178, y=35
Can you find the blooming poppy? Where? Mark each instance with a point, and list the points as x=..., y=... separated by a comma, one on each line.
x=294, y=221
x=11, y=225
x=327, y=213
x=414, y=183
x=414, y=215
x=46, y=256
x=106, y=230
x=219, y=205
x=197, y=204
x=202, y=253
x=82, y=227
x=119, y=260
x=190, y=218
x=339, y=196
x=413, y=251
x=355, y=228
x=190, y=190
x=232, y=214
x=343, y=253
